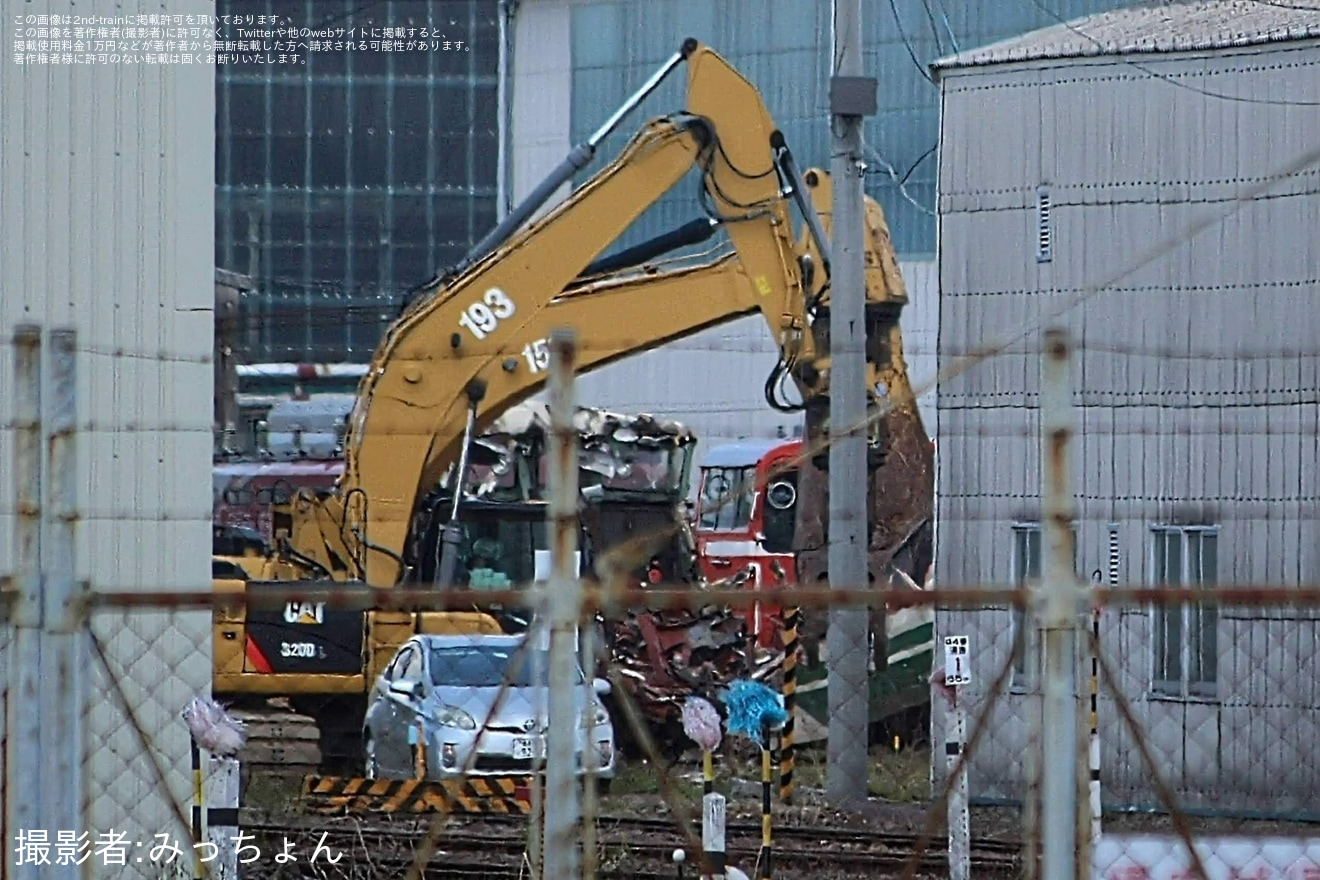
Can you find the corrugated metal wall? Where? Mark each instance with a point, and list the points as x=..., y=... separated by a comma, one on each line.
x=714, y=380
x=106, y=191
x=616, y=44
x=1198, y=382
x=783, y=48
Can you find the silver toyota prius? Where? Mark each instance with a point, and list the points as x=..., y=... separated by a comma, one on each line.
x=449, y=692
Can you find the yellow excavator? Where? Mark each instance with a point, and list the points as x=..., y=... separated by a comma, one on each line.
x=472, y=345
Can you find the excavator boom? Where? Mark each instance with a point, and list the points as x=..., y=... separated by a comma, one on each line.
x=474, y=343
x=444, y=370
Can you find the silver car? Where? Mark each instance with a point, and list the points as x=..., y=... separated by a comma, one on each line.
x=447, y=688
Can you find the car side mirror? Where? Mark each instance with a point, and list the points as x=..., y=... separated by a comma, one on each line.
x=411, y=689
x=601, y=686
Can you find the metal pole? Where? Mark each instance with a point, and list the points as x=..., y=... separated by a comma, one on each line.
x=766, y=858
x=562, y=857
x=1059, y=777
x=577, y=159
x=198, y=806
x=63, y=650
x=220, y=787
x=1031, y=760
x=536, y=827
x=846, y=638
x=713, y=851
x=792, y=618
x=23, y=743
x=1093, y=747
x=505, y=16
x=960, y=835
x=591, y=759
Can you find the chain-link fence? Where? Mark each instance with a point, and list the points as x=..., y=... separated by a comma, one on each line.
x=1077, y=690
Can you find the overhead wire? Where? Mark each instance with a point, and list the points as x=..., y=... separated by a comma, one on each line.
x=1301, y=163
x=898, y=183
x=898, y=22
x=944, y=15
x=621, y=560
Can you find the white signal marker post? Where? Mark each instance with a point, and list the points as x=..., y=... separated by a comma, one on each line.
x=957, y=673
x=712, y=836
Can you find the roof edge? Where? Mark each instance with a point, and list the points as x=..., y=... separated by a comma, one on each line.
x=1150, y=28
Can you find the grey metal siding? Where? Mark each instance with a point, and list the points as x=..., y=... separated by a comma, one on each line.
x=1197, y=379
x=714, y=380
x=107, y=201
x=784, y=49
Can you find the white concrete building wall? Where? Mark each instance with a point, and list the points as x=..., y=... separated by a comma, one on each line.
x=106, y=195
x=713, y=381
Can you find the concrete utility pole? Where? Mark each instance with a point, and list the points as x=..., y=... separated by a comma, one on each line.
x=852, y=97
x=562, y=806
x=1058, y=611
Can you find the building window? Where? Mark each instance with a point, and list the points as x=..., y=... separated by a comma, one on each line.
x=1028, y=552
x=1026, y=571
x=1185, y=644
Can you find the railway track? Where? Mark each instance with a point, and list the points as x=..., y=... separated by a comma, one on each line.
x=454, y=870
x=493, y=847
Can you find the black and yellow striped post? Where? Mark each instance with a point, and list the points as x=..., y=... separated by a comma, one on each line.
x=197, y=806
x=792, y=620
x=767, y=778
x=1093, y=751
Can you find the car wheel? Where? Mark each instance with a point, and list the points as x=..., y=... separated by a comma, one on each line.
x=370, y=768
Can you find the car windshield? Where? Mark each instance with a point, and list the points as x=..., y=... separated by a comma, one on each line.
x=481, y=666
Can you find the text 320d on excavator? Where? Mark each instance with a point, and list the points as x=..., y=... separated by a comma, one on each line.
x=467, y=349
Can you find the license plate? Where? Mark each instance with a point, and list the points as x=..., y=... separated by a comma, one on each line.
x=525, y=748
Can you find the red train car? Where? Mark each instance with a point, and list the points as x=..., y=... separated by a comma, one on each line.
x=745, y=512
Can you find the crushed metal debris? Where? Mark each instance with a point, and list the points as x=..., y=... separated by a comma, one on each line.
x=612, y=445
x=666, y=656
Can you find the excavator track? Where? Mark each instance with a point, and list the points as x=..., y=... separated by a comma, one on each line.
x=280, y=741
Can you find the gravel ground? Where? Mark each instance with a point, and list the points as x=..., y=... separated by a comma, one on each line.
x=900, y=803
x=991, y=823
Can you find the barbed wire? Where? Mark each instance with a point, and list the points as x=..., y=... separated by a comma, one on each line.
x=604, y=595
x=1229, y=352
x=630, y=554
x=1048, y=315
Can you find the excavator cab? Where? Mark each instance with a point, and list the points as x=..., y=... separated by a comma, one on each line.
x=477, y=342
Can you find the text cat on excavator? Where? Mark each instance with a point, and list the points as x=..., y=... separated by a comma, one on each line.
x=472, y=345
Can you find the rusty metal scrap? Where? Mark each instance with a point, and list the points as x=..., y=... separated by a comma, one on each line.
x=666, y=656
x=602, y=435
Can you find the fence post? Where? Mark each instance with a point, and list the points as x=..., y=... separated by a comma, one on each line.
x=221, y=795
x=1058, y=614
x=565, y=607
x=63, y=650
x=957, y=674
x=1093, y=747
x=23, y=743
x=591, y=760
x=788, y=753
